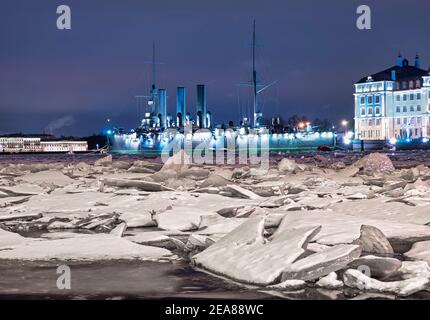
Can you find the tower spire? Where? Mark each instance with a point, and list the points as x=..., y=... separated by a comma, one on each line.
x=399, y=61
x=417, y=61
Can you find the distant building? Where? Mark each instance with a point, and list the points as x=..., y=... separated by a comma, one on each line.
x=26, y=145
x=393, y=103
x=18, y=144
x=64, y=146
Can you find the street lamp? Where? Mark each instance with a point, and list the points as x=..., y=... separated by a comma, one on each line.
x=345, y=126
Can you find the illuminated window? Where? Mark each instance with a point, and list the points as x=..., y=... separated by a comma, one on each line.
x=362, y=100
x=377, y=111
x=411, y=109
x=418, y=108
x=369, y=111
x=398, y=109
x=369, y=99
x=405, y=109
x=405, y=97
x=411, y=96
x=398, y=121
x=418, y=96
x=398, y=97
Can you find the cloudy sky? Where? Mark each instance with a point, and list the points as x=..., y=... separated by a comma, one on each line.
x=72, y=81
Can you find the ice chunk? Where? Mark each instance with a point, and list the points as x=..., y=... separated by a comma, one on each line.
x=91, y=248
x=356, y=279
x=322, y=263
x=244, y=254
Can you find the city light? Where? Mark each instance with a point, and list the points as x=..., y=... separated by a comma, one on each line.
x=393, y=141
x=344, y=123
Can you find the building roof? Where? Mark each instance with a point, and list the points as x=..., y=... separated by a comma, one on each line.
x=403, y=73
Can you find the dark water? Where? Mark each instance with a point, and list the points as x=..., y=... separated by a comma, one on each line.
x=116, y=280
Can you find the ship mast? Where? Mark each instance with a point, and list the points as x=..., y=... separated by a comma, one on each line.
x=153, y=67
x=254, y=77
x=154, y=90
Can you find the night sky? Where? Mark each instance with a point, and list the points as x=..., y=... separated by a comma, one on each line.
x=93, y=72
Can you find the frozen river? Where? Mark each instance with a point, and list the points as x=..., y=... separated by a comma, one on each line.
x=169, y=216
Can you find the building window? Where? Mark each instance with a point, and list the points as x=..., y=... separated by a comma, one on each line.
x=405, y=109
x=363, y=111
x=412, y=120
x=377, y=99
x=411, y=84
x=377, y=111
x=418, y=83
x=405, y=121
x=404, y=85
x=418, y=96
x=419, y=120
x=418, y=108
x=362, y=100
x=398, y=97
x=370, y=123
x=378, y=122
x=398, y=109
x=369, y=99
x=411, y=109
x=398, y=121
x=369, y=111
x=411, y=96
x=405, y=97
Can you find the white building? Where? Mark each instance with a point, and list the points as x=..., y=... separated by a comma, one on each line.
x=20, y=144
x=393, y=103
x=64, y=146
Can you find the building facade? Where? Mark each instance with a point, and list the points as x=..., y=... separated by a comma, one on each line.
x=64, y=146
x=19, y=144
x=394, y=103
x=23, y=145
